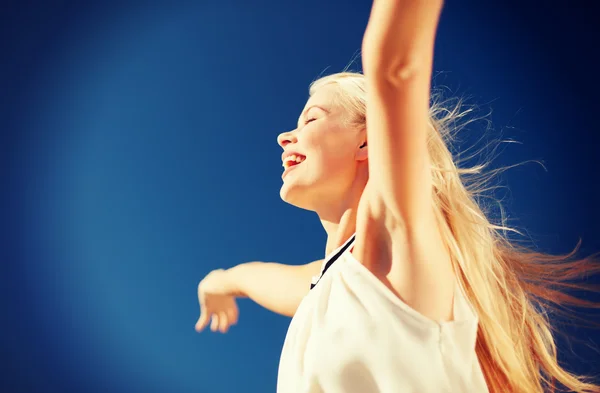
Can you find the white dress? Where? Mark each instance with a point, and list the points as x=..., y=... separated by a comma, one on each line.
x=351, y=334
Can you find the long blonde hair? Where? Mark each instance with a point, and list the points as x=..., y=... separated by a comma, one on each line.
x=512, y=288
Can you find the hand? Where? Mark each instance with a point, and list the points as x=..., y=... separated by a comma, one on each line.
x=217, y=302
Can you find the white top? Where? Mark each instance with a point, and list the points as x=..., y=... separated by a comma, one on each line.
x=351, y=334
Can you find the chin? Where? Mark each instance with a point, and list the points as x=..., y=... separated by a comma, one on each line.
x=295, y=196
x=289, y=193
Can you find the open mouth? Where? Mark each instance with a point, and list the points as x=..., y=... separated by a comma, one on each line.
x=293, y=160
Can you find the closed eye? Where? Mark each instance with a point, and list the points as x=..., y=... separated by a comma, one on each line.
x=310, y=120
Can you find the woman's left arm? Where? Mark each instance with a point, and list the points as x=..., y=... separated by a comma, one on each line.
x=397, y=55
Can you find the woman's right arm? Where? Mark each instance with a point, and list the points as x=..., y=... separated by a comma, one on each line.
x=276, y=287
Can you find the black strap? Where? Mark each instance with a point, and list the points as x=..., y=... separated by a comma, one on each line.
x=333, y=259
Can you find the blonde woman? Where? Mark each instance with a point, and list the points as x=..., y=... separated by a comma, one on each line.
x=418, y=291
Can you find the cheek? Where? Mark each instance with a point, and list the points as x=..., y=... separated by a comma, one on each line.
x=331, y=152
x=331, y=143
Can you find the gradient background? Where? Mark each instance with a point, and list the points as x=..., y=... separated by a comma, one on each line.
x=138, y=152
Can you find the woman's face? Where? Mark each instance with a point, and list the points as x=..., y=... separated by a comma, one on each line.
x=322, y=154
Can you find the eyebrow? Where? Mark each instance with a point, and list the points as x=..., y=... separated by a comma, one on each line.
x=309, y=108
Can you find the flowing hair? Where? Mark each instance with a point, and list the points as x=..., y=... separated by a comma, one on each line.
x=511, y=287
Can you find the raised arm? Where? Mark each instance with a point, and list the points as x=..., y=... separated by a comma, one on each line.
x=397, y=62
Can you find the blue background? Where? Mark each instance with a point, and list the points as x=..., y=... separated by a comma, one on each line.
x=138, y=152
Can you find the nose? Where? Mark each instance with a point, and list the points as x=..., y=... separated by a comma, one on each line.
x=286, y=138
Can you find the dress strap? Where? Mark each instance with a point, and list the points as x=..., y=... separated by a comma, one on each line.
x=336, y=255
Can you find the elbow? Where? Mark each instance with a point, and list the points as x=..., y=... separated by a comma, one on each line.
x=391, y=65
x=402, y=70
x=399, y=72
x=399, y=40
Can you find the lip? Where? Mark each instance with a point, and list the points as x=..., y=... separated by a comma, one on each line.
x=288, y=169
x=289, y=153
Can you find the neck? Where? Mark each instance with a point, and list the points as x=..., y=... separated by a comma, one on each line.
x=338, y=231
x=339, y=221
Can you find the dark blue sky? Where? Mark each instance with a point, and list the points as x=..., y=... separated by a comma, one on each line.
x=138, y=152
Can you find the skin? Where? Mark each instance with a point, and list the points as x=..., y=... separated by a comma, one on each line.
x=331, y=179
x=383, y=191
x=374, y=180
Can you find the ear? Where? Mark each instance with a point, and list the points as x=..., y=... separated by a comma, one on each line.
x=362, y=152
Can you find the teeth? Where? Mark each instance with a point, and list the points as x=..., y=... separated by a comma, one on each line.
x=292, y=158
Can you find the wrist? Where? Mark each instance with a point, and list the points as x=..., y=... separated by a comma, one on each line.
x=234, y=280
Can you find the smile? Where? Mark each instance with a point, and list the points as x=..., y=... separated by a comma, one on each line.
x=291, y=162
x=293, y=159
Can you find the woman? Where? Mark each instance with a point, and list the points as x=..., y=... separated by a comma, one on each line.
x=418, y=292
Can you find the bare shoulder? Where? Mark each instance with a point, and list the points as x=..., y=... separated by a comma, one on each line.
x=411, y=261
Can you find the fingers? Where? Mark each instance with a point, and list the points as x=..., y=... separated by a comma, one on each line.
x=214, y=323
x=218, y=322
x=204, y=314
x=232, y=315
x=223, y=322
x=202, y=321
x=219, y=311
